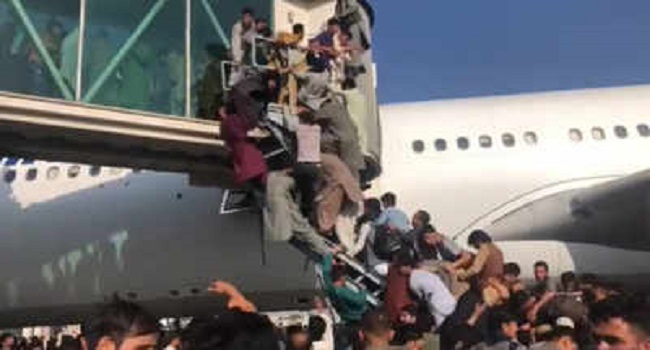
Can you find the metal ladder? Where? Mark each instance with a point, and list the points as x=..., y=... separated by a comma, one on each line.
x=359, y=277
x=373, y=292
x=362, y=279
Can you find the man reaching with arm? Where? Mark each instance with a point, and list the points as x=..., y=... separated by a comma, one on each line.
x=350, y=304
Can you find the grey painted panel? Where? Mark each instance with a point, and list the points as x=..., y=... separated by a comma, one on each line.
x=144, y=233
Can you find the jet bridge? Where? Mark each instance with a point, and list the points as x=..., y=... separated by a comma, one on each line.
x=118, y=82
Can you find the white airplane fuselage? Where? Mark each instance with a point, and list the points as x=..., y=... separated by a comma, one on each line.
x=73, y=235
x=532, y=169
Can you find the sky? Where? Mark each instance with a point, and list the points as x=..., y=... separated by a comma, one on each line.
x=436, y=49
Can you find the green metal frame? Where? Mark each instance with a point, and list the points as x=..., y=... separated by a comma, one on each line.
x=80, y=50
x=216, y=24
x=188, y=58
x=124, y=50
x=36, y=39
x=70, y=93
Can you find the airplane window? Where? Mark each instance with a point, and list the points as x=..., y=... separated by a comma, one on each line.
x=620, y=131
x=53, y=173
x=530, y=138
x=95, y=170
x=485, y=141
x=10, y=176
x=11, y=161
x=575, y=135
x=31, y=174
x=441, y=145
x=74, y=171
x=643, y=130
x=418, y=146
x=463, y=143
x=598, y=133
x=508, y=140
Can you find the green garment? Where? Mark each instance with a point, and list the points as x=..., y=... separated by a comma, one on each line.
x=100, y=53
x=176, y=70
x=69, y=58
x=210, y=91
x=135, y=84
x=349, y=304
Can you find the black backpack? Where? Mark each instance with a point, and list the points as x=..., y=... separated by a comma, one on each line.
x=425, y=320
x=386, y=243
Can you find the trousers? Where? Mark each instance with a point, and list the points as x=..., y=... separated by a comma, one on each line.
x=283, y=218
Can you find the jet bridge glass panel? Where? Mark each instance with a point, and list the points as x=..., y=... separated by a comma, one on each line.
x=38, y=47
x=148, y=55
x=135, y=59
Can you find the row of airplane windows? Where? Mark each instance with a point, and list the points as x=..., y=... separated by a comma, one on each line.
x=11, y=161
x=54, y=172
x=530, y=138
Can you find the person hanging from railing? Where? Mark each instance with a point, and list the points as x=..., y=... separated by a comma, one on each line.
x=249, y=98
x=308, y=166
x=245, y=108
x=248, y=161
x=284, y=220
x=289, y=60
x=340, y=190
x=340, y=134
x=328, y=39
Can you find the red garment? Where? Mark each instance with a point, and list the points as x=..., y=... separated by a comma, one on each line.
x=398, y=293
x=248, y=160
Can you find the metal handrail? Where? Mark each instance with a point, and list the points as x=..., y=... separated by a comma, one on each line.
x=254, y=49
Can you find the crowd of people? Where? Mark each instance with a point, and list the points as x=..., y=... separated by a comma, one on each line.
x=576, y=314
x=440, y=296
x=436, y=295
x=310, y=170
x=310, y=166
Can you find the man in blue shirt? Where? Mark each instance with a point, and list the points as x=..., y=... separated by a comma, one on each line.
x=326, y=38
x=392, y=217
